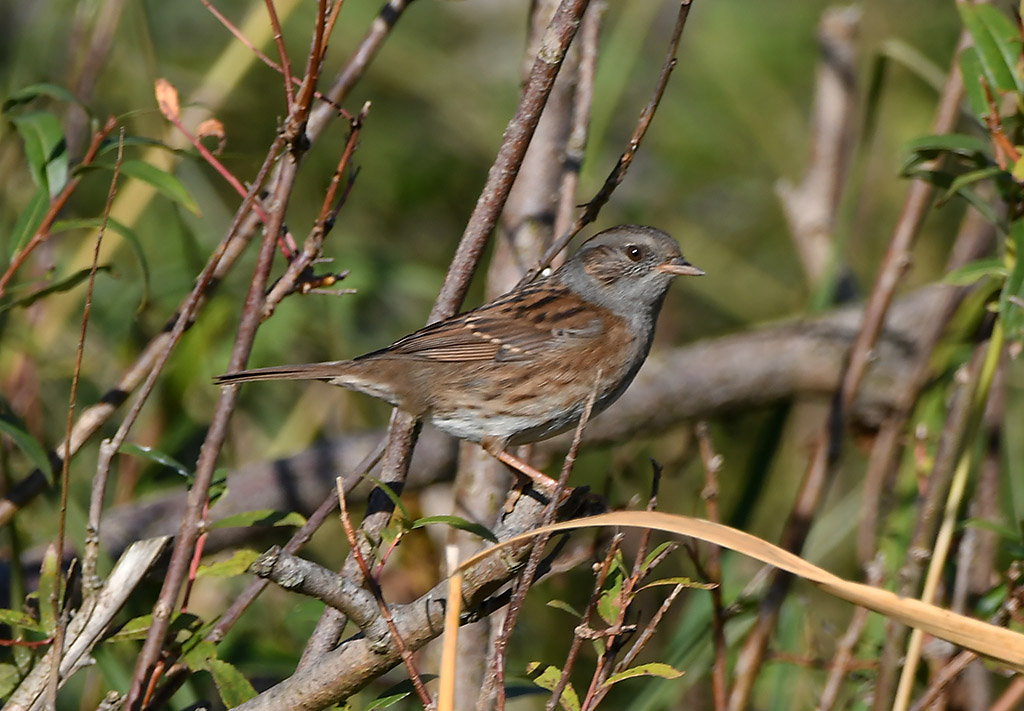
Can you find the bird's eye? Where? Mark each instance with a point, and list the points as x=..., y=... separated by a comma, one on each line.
x=634, y=252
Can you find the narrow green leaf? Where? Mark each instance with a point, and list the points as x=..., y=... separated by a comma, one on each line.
x=261, y=517
x=233, y=687
x=1004, y=531
x=998, y=75
x=1006, y=38
x=610, y=603
x=66, y=284
x=565, y=607
x=111, y=145
x=396, y=692
x=657, y=551
x=29, y=220
x=456, y=522
x=975, y=271
x=1012, y=296
x=685, y=582
x=45, y=149
x=157, y=456
x=219, y=485
x=10, y=677
x=237, y=564
x=166, y=184
x=973, y=73
x=17, y=618
x=94, y=223
x=49, y=588
x=34, y=91
x=653, y=669
x=384, y=702
x=548, y=679
x=969, y=178
x=28, y=444
x=943, y=180
x=134, y=629
x=915, y=60
x=973, y=149
x=390, y=493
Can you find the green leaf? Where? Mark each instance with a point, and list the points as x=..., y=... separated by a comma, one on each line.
x=198, y=657
x=972, y=148
x=17, y=618
x=685, y=582
x=565, y=607
x=237, y=564
x=384, y=702
x=653, y=669
x=166, y=184
x=456, y=522
x=10, y=677
x=34, y=91
x=29, y=220
x=45, y=150
x=1012, y=296
x=548, y=679
x=157, y=456
x=610, y=603
x=261, y=517
x=49, y=589
x=390, y=493
x=219, y=485
x=969, y=178
x=993, y=64
x=94, y=223
x=233, y=687
x=66, y=284
x=1007, y=41
x=110, y=145
x=134, y=629
x=395, y=693
x=657, y=551
x=28, y=444
x=975, y=271
x=944, y=180
x=1004, y=531
x=973, y=72
x=915, y=60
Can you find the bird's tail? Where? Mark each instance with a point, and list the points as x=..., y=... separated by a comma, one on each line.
x=308, y=371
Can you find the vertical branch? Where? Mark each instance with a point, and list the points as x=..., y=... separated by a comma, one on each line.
x=286, y=65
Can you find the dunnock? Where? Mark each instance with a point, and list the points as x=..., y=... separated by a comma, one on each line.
x=522, y=367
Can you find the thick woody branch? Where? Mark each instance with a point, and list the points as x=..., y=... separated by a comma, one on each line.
x=312, y=580
x=339, y=673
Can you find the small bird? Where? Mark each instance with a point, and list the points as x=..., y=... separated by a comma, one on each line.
x=521, y=368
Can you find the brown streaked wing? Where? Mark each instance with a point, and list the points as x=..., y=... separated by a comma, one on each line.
x=517, y=326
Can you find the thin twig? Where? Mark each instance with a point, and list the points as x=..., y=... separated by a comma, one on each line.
x=55, y=599
x=618, y=173
x=843, y=657
x=286, y=65
x=371, y=583
x=712, y=464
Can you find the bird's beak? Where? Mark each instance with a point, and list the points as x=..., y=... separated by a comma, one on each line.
x=679, y=267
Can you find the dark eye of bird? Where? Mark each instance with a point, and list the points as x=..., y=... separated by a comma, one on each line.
x=634, y=252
